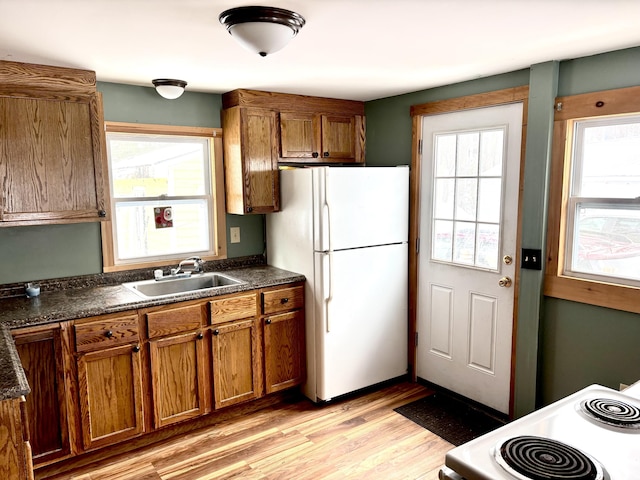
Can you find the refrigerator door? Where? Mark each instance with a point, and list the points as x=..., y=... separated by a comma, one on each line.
x=360, y=318
x=358, y=207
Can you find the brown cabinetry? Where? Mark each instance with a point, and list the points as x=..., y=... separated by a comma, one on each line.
x=15, y=451
x=251, y=160
x=43, y=355
x=322, y=138
x=283, y=324
x=51, y=146
x=263, y=128
x=237, y=356
x=109, y=379
x=177, y=356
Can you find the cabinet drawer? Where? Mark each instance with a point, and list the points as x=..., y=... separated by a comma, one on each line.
x=282, y=300
x=174, y=320
x=233, y=308
x=106, y=333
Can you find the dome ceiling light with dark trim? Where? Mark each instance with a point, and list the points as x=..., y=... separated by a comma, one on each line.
x=169, y=88
x=262, y=30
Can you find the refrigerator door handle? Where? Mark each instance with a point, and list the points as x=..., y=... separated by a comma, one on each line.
x=326, y=230
x=327, y=259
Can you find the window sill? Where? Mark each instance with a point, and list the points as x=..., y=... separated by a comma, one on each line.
x=618, y=297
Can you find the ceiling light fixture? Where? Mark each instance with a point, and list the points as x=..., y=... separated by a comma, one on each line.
x=169, y=88
x=262, y=30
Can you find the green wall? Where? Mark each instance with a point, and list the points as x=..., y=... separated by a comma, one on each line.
x=53, y=251
x=565, y=346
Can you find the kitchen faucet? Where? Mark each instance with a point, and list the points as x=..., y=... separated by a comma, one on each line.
x=191, y=265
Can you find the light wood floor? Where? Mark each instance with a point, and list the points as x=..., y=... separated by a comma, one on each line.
x=355, y=438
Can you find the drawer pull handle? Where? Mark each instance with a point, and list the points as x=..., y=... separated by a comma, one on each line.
x=136, y=348
x=216, y=332
x=200, y=336
x=268, y=321
x=284, y=300
x=108, y=334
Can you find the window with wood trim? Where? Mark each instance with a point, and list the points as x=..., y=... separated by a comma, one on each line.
x=594, y=208
x=167, y=198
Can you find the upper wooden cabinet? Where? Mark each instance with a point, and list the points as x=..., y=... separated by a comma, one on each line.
x=251, y=160
x=51, y=146
x=264, y=128
x=309, y=138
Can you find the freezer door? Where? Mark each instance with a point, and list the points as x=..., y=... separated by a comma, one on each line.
x=360, y=318
x=357, y=207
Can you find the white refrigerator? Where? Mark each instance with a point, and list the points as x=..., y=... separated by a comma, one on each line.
x=346, y=229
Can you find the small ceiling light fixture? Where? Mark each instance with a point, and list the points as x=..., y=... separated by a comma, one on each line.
x=169, y=88
x=262, y=30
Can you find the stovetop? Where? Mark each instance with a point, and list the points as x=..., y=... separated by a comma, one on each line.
x=615, y=449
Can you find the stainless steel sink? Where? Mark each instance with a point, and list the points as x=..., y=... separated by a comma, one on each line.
x=177, y=286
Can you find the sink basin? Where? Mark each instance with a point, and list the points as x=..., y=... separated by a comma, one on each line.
x=176, y=286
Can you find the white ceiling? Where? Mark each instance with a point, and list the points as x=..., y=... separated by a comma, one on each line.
x=354, y=49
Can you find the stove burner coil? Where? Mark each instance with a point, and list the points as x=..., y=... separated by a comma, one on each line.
x=612, y=412
x=538, y=458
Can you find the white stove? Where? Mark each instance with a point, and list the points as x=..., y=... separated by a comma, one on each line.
x=593, y=434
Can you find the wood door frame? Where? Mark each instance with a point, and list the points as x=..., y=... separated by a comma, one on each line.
x=481, y=100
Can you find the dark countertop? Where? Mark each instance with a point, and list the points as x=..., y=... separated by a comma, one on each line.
x=90, y=299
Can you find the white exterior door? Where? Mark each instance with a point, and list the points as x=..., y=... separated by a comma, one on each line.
x=468, y=230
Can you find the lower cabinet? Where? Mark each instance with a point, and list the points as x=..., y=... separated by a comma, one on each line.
x=42, y=354
x=236, y=362
x=177, y=363
x=103, y=380
x=109, y=380
x=284, y=361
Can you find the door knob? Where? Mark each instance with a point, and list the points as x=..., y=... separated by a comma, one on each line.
x=505, y=282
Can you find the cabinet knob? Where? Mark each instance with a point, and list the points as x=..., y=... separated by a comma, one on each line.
x=268, y=321
x=102, y=213
x=108, y=334
x=200, y=336
x=249, y=209
x=325, y=154
x=136, y=348
x=284, y=300
x=315, y=154
x=216, y=332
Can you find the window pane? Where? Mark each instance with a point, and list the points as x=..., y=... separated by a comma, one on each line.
x=607, y=242
x=491, y=151
x=608, y=163
x=489, y=200
x=467, y=154
x=487, y=246
x=138, y=236
x=464, y=243
x=445, y=155
x=466, y=198
x=442, y=240
x=444, y=199
x=151, y=167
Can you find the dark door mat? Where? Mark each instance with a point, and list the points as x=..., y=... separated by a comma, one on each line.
x=449, y=418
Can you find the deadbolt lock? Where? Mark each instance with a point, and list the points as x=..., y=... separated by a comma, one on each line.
x=507, y=259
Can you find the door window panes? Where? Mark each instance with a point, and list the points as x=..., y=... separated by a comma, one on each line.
x=467, y=198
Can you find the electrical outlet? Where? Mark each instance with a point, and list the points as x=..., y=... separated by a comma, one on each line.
x=235, y=234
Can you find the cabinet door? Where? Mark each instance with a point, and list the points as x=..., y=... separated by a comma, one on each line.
x=251, y=160
x=177, y=378
x=110, y=388
x=14, y=448
x=299, y=136
x=338, y=137
x=50, y=153
x=284, y=359
x=236, y=362
x=41, y=355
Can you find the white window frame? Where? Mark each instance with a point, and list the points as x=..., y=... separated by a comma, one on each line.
x=575, y=199
x=214, y=197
